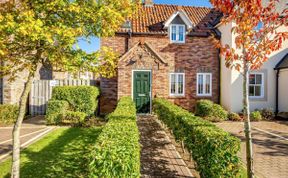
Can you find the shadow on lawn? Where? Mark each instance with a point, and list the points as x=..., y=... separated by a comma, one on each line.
x=66, y=156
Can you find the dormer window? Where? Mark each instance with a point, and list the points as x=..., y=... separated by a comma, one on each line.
x=177, y=33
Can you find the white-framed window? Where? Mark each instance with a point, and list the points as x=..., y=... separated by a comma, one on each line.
x=204, y=84
x=177, y=33
x=256, y=85
x=177, y=84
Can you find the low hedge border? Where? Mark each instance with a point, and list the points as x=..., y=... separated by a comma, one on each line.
x=214, y=150
x=117, y=151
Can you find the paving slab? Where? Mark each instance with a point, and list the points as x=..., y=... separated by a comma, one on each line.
x=159, y=157
x=32, y=129
x=270, y=146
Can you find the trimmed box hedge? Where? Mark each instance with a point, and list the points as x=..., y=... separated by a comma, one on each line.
x=214, y=150
x=8, y=113
x=117, y=151
x=210, y=111
x=80, y=98
x=56, y=110
x=74, y=118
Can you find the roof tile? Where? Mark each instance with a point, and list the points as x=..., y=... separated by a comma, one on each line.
x=151, y=19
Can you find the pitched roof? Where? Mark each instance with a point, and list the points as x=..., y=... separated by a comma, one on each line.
x=151, y=19
x=283, y=64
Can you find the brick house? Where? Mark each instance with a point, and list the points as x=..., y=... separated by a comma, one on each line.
x=165, y=52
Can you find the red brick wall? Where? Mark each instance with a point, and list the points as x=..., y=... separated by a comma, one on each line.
x=196, y=55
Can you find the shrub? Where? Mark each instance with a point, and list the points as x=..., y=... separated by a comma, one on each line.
x=218, y=113
x=255, y=116
x=234, y=117
x=204, y=108
x=210, y=111
x=117, y=151
x=74, y=118
x=8, y=113
x=56, y=110
x=80, y=98
x=214, y=150
x=267, y=113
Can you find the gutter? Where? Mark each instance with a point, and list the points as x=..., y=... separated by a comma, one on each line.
x=191, y=34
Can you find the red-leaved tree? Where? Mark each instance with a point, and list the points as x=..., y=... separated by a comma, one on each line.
x=252, y=46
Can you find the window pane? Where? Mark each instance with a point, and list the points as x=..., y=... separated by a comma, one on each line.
x=251, y=79
x=207, y=85
x=173, y=33
x=258, y=79
x=173, y=84
x=257, y=90
x=200, y=84
x=181, y=33
x=251, y=91
x=180, y=83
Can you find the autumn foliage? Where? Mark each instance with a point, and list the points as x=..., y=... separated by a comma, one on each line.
x=257, y=44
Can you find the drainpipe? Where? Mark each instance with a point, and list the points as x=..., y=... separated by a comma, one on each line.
x=277, y=92
x=219, y=73
x=127, y=45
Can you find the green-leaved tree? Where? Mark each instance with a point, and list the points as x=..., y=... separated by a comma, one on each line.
x=38, y=32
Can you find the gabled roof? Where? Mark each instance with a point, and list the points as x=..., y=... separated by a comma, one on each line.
x=283, y=64
x=151, y=19
x=149, y=47
x=182, y=14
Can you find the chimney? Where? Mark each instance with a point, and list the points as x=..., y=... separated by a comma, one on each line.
x=148, y=3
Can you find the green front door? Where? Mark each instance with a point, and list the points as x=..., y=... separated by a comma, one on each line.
x=141, y=91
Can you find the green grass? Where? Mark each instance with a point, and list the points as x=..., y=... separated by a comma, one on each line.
x=62, y=153
x=242, y=173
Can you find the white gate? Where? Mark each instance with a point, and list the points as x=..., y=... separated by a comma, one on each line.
x=1, y=90
x=41, y=92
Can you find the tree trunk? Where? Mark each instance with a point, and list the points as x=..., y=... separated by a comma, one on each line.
x=15, y=170
x=246, y=111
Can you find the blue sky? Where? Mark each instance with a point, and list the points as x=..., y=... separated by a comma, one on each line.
x=94, y=44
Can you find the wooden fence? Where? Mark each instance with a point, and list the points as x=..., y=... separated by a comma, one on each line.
x=41, y=92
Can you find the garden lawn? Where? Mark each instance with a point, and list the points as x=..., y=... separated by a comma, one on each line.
x=62, y=153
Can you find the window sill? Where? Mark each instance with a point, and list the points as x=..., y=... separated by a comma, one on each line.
x=177, y=43
x=258, y=99
x=177, y=97
x=204, y=96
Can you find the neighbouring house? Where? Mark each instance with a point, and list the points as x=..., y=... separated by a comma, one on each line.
x=10, y=91
x=268, y=86
x=166, y=51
